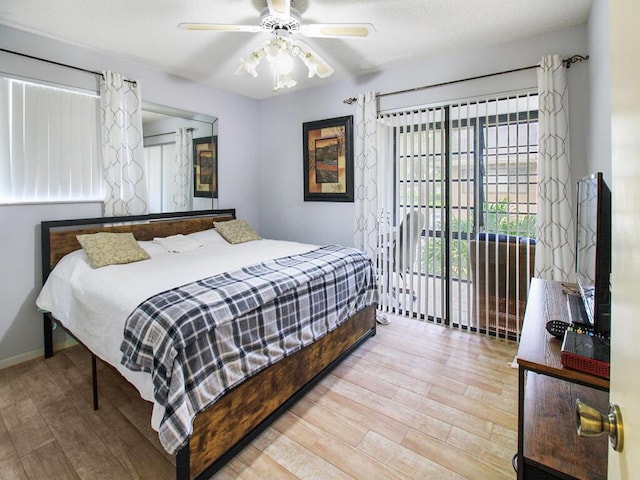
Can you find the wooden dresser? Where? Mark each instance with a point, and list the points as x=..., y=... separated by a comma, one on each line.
x=548, y=444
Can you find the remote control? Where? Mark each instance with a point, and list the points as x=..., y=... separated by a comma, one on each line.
x=557, y=328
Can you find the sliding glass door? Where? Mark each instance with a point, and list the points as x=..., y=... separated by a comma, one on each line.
x=464, y=183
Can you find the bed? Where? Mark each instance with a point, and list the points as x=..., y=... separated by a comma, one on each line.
x=224, y=422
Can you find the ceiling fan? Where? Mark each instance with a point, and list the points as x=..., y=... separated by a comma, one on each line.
x=284, y=22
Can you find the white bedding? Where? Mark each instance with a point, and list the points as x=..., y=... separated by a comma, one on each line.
x=94, y=304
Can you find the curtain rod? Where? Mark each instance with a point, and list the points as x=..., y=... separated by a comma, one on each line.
x=60, y=64
x=567, y=62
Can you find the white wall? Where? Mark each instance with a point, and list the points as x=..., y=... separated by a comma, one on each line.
x=599, y=141
x=20, y=324
x=283, y=212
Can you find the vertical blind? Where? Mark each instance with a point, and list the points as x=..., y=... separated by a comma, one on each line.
x=457, y=225
x=49, y=144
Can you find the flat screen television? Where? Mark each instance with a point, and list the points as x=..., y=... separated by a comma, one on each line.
x=593, y=250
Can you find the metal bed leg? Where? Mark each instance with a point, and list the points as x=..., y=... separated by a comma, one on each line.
x=94, y=380
x=183, y=463
x=48, y=335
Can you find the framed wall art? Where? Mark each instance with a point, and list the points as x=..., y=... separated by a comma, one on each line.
x=205, y=167
x=328, y=160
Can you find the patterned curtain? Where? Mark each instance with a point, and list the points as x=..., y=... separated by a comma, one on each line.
x=182, y=175
x=122, y=149
x=366, y=175
x=555, y=247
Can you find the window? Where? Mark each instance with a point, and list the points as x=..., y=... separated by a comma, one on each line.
x=49, y=144
x=469, y=168
x=509, y=173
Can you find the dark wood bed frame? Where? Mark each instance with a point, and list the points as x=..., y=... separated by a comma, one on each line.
x=226, y=427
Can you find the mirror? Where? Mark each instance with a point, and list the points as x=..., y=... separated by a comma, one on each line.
x=181, y=158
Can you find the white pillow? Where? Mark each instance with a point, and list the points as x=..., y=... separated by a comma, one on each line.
x=209, y=237
x=178, y=243
x=152, y=248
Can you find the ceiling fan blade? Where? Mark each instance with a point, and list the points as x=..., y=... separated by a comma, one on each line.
x=220, y=27
x=280, y=8
x=337, y=30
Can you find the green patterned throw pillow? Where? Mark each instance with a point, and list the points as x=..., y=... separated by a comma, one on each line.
x=236, y=231
x=104, y=248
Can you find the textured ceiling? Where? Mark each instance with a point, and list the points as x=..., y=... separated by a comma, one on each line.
x=145, y=31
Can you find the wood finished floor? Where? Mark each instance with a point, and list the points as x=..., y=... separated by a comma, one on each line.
x=417, y=401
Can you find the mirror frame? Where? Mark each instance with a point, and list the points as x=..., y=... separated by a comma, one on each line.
x=176, y=112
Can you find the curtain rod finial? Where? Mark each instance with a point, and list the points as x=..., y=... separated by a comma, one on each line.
x=575, y=59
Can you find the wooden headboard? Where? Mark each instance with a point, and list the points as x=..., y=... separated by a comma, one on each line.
x=59, y=236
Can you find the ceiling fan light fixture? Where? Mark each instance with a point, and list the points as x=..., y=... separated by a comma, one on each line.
x=283, y=64
x=312, y=63
x=280, y=51
x=276, y=47
x=283, y=81
x=279, y=55
x=249, y=63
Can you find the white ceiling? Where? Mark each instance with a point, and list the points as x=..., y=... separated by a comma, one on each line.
x=145, y=31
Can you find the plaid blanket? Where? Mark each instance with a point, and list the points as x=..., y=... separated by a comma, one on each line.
x=201, y=339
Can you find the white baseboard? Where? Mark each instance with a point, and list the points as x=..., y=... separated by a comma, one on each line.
x=25, y=357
